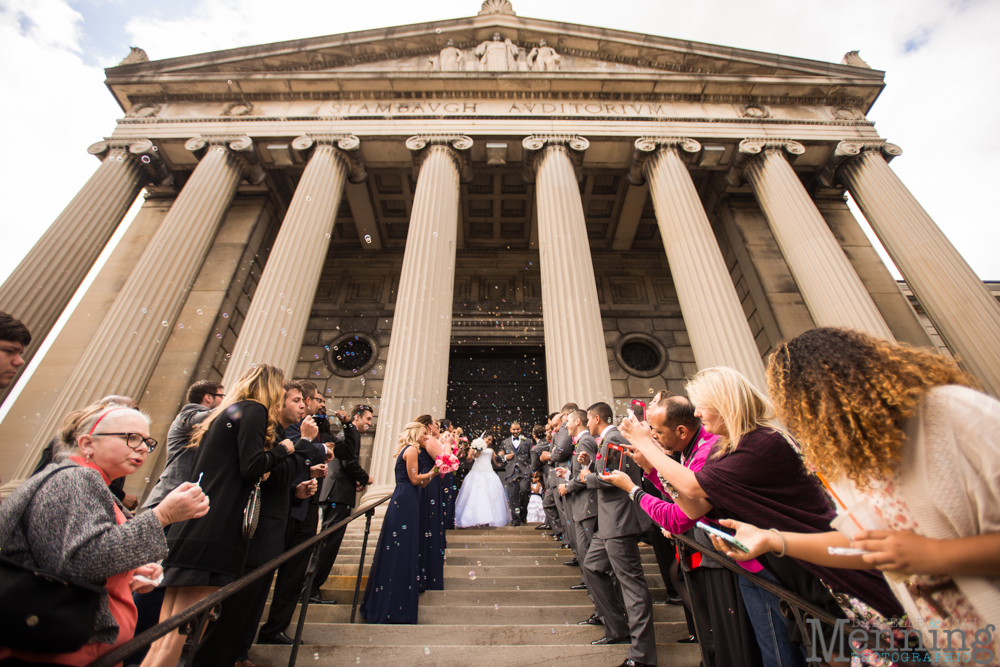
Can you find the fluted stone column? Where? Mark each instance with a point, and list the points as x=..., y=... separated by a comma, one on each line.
x=276, y=324
x=954, y=297
x=416, y=370
x=829, y=285
x=128, y=344
x=43, y=283
x=576, y=358
x=713, y=317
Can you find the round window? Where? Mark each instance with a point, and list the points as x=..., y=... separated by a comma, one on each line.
x=641, y=355
x=352, y=354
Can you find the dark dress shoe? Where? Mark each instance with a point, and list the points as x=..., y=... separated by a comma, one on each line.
x=276, y=638
x=319, y=599
x=572, y=562
x=632, y=663
x=578, y=587
x=593, y=620
x=688, y=640
x=606, y=641
x=543, y=527
x=674, y=599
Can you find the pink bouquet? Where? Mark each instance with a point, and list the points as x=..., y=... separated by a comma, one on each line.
x=447, y=463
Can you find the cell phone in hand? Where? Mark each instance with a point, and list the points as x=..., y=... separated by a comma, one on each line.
x=613, y=460
x=639, y=409
x=722, y=535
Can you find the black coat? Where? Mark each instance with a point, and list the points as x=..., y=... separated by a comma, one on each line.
x=346, y=473
x=520, y=465
x=232, y=458
x=299, y=508
x=269, y=540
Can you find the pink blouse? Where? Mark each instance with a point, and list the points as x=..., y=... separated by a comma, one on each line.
x=669, y=515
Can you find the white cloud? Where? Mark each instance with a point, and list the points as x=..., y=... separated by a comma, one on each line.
x=938, y=104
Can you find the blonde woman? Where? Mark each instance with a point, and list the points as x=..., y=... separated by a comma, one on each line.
x=393, y=590
x=904, y=433
x=236, y=447
x=756, y=474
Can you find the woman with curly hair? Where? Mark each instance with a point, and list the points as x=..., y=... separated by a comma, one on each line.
x=236, y=448
x=905, y=434
x=756, y=474
x=392, y=594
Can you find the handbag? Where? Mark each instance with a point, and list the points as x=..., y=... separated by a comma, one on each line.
x=251, y=515
x=43, y=611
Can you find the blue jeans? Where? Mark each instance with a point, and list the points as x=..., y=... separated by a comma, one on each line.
x=769, y=625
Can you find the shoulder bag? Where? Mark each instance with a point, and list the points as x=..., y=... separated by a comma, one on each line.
x=43, y=611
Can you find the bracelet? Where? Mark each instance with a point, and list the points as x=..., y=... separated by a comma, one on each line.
x=784, y=545
x=631, y=494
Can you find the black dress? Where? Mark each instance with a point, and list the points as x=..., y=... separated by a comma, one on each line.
x=392, y=594
x=432, y=539
x=211, y=551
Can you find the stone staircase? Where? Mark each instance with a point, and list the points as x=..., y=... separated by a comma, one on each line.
x=506, y=603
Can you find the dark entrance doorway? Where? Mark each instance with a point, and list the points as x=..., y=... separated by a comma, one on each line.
x=490, y=387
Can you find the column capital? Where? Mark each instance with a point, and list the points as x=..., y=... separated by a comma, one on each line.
x=240, y=145
x=458, y=146
x=851, y=148
x=754, y=146
x=535, y=144
x=646, y=147
x=141, y=151
x=347, y=147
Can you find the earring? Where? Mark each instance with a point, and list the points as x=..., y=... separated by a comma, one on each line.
x=88, y=458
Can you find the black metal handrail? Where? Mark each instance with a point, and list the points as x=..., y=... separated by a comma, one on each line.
x=192, y=621
x=791, y=604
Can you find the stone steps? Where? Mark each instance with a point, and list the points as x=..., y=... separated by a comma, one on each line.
x=511, y=613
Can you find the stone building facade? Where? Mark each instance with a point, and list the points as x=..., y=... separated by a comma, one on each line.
x=605, y=211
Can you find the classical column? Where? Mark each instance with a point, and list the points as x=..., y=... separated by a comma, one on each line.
x=829, y=285
x=416, y=370
x=273, y=330
x=128, y=343
x=576, y=358
x=47, y=278
x=713, y=316
x=954, y=297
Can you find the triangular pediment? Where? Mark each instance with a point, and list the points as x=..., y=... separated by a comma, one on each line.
x=573, y=53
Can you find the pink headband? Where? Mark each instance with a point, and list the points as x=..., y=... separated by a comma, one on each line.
x=94, y=427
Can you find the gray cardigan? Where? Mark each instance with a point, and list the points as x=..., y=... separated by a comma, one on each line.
x=69, y=528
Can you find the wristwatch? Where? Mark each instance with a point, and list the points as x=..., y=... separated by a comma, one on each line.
x=631, y=494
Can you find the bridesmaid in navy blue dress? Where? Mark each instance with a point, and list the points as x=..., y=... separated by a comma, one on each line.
x=393, y=594
x=432, y=513
x=449, y=486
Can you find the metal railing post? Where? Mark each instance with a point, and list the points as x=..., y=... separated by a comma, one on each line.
x=304, y=602
x=361, y=565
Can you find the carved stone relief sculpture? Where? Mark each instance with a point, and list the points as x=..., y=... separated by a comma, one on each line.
x=498, y=55
x=543, y=58
x=451, y=59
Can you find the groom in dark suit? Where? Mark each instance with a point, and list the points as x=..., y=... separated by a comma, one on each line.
x=517, y=452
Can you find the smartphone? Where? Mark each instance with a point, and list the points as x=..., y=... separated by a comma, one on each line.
x=725, y=537
x=613, y=459
x=639, y=408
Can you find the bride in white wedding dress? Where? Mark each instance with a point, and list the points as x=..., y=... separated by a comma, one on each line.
x=482, y=499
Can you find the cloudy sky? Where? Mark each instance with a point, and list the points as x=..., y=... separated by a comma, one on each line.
x=941, y=103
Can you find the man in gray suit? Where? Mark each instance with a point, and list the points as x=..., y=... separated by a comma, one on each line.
x=517, y=452
x=616, y=547
x=559, y=453
x=542, y=468
x=579, y=500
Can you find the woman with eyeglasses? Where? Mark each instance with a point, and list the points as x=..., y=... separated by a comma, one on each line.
x=66, y=520
x=238, y=444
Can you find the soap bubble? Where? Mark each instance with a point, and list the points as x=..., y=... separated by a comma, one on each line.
x=472, y=576
x=165, y=323
x=145, y=159
x=427, y=650
x=368, y=238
